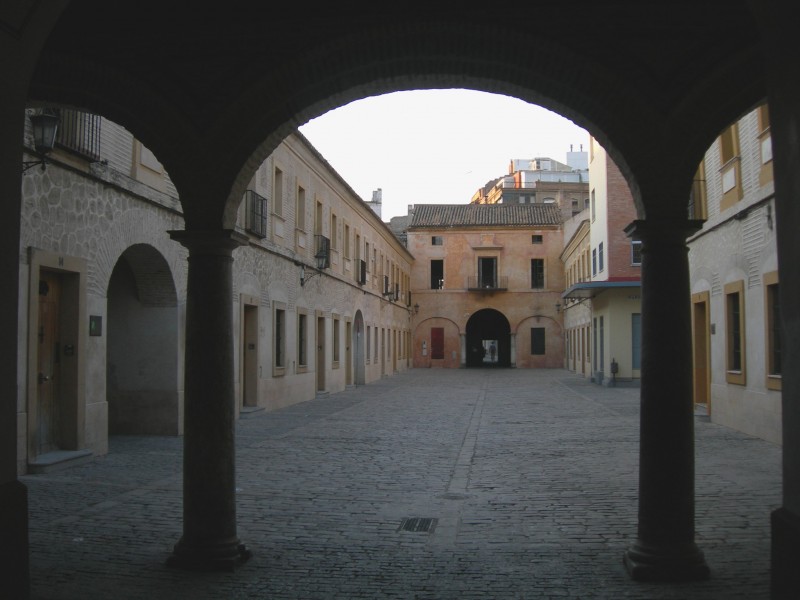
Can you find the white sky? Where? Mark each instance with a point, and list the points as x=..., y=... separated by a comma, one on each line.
x=436, y=146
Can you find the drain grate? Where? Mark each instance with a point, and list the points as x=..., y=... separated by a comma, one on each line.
x=417, y=524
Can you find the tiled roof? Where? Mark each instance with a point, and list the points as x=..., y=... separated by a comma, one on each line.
x=485, y=215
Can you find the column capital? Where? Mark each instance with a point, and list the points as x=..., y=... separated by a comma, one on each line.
x=209, y=241
x=663, y=229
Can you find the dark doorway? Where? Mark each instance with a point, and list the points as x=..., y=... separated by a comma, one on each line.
x=488, y=329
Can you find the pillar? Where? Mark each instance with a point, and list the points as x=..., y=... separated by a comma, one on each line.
x=665, y=549
x=462, y=339
x=209, y=541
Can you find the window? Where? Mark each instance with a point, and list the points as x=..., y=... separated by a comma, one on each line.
x=773, y=331
x=277, y=192
x=437, y=342
x=302, y=340
x=734, y=333
x=698, y=208
x=369, y=342
x=335, y=340
x=487, y=272
x=300, y=209
x=279, y=337
x=437, y=274
x=594, y=261
x=375, y=346
x=594, y=207
x=537, y=340
x=636, y=252
x=729, y=168
x=537, y=273
x=600, y=257
x=256, y=218
x=346, y=241
x=334, y=227
x=436, y=240
x=536, y=239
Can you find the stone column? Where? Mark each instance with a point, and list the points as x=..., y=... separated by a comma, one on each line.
x=209, y=541
x=665, y=549
x=513, y=351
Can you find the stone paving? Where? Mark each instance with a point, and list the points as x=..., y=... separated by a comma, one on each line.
x=528, y=478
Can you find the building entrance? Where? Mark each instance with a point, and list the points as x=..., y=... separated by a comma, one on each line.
x=488, y=339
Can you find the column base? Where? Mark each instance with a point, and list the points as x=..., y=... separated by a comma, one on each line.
x=14, y=568
x=674, y=562
x=784, y=574
x=224, y=556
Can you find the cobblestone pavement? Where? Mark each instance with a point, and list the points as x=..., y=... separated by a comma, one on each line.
x=529, y=478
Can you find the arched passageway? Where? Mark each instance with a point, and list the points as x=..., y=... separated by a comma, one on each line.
x=488, y=339
x=653, y=93
x=142, y=353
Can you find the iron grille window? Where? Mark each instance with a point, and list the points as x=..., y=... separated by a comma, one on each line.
x=79, y=132
x=256, y=214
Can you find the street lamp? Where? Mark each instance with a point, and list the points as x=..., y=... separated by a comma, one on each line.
x=45, y=127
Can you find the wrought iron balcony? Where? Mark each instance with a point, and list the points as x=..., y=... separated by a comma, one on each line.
x=487, y=284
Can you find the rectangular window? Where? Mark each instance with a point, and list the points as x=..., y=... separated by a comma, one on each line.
x=437, y=274
x=437, y=240
x=334, y=227
x=600, y=257
x=335, y=340
x=369, y=343
x=487, y=272
x=279, y=336
x=636, y=252
x=536, y=239
x=734, y=333
x=594, y=261
x=437, y=342
x=537, y=273
x=302, y=340
x=300, y=210
x=277, y=192
x=773, y=331
x=346, y=241
x=256, y=220
x=537, y=340
x=594, y=344
x=698, y=208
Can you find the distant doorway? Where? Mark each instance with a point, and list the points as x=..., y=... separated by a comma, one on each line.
x=488, y=340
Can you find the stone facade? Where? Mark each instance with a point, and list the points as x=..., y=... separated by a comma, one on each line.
x=96, y=258
x=735, y=253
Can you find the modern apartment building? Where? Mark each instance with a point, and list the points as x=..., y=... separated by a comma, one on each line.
x=603, y=270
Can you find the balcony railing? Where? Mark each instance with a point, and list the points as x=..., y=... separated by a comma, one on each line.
x=256, y=221
x=491, y=284
x=79, y=132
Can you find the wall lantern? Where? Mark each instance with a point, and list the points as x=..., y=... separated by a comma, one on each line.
x=321, y=263
x=416, y=308
x=558, y=307
x=45, y=127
